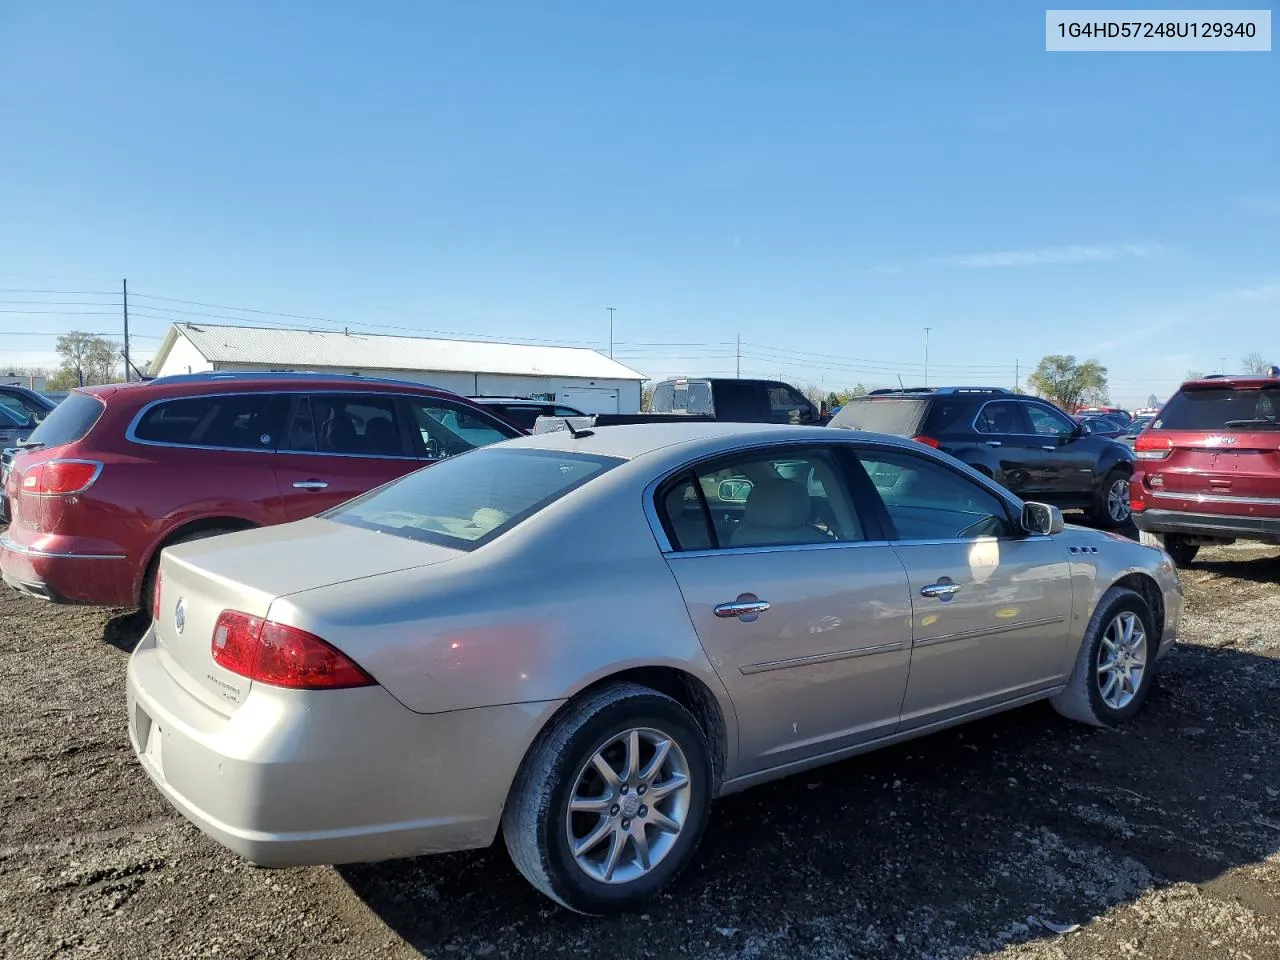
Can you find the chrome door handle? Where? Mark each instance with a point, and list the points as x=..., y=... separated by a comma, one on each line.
x=310, y=485
x=993, y=443
x=742, y=608
x=943, y=590
x=1049, y=448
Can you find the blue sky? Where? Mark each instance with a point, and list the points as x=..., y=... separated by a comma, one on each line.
x=823, y=179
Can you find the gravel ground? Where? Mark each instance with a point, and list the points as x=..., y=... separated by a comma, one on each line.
x=1024, y=836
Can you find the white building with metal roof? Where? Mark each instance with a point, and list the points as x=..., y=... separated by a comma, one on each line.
x=575, y=376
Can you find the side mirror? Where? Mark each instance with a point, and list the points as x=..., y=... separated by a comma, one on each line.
x=1042, y=520
x=734, y=491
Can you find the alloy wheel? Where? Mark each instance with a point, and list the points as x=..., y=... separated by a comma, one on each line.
x=1122, y=660
x=1118, y=508
x=629, y=803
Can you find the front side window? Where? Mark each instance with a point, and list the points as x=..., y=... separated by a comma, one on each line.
x=1049, y=423
x=788, y=405
x=448, y=430
x=928, y=501
x=24, y=410
x=467, y=501
x=247, y=421
x=760, y=500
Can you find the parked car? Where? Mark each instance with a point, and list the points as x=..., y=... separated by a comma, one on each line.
x=1024, y=443
x=523, y=412
x=1208, y=469
x=1130, y=435
x=354, y=687
x=1120, y=415
x=1100, y=427
x=117, y=473
x=21, y=411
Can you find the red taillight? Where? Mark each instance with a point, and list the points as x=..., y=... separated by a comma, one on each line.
x=1148, y=447
x=927, y=441
x=155, y=597
x=281, y=655
x=57, y=478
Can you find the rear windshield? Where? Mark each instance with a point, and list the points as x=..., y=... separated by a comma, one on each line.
x=693, y=396
x=1221, y=408
x=69, y=421
x=893, y=415
x=467, y=500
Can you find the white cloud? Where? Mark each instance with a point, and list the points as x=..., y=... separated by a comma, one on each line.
x=1075, y=253
x=1265, y=293
x=885, y=270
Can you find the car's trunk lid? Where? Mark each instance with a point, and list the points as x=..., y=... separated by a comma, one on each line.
x=245, y=572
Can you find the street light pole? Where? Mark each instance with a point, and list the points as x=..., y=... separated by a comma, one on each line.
x=610, y=309
x=926, y=355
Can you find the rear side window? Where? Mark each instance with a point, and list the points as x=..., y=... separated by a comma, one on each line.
x=1226, y=408
x=523, y=415
x=362, y=425
x=468, y=500
x=246, y=421
x=70, y=421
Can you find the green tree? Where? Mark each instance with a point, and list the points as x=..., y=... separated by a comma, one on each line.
x=646, y=398
x=87, y=360
x=1069, y=383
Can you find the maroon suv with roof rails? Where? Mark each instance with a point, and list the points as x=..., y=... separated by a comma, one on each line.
x=114, y=474
x=1208, y=466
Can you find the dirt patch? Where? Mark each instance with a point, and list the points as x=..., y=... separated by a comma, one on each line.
x=1023, y=836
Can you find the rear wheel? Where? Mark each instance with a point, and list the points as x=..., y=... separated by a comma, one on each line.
x=1181, y=550
x=611, y=801
x=1111, y=501
x=145, y=601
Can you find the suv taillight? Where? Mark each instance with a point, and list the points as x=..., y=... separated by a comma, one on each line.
x=281, y=655
x=927, y=441
x=1147, y=447
x=60, y=478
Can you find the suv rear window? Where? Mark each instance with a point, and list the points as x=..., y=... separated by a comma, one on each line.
x=1221, y=408
x=899, y=417
x=69, y=421
x=469, y=499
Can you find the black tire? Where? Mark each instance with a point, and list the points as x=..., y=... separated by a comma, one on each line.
x=1181, y=550
x=1101, y=513
x=535, y=822
x=1082, y=699
x=149, y=581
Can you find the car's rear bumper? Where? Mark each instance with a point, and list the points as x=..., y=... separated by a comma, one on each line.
x=297, y=778
x=64, y=573
x=1214, y=525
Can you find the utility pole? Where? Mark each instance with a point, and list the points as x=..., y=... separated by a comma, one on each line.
x=610, y=309
x=738, y=365
x=926, y=355
x=125, y=294
x=1017, y=375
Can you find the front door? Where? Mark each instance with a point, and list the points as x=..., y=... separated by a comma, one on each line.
x=1026, y=466
x=804, y=615
x=991, y=607
x=1071, y=453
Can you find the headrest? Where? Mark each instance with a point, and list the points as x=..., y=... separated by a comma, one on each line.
x=778, y=504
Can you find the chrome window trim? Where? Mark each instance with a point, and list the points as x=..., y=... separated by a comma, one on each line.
x=131, y=435
x=973, y=424
x=854, y=442
x=774, y=548
x=1214, y=498
x=770, y=665
x=8, y=544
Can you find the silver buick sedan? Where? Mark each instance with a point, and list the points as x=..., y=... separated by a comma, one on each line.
x=579, y=639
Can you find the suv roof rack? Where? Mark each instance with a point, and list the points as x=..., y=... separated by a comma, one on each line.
x=212, y=375
x=941, y=391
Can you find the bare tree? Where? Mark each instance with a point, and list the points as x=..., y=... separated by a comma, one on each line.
x=86, y=360
x=1254, y=364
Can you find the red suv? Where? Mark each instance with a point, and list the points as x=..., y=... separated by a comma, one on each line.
x=114, y=474
x=1208, y=466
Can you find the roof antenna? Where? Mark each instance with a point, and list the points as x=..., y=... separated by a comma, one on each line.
x=575, y=433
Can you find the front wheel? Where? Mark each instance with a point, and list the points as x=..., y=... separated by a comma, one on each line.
x=611, y=801
x=1111, y=507
x=1116, y=664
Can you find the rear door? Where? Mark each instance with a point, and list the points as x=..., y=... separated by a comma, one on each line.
x=340, y=445
x=802, y=609
x=1216, y=449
